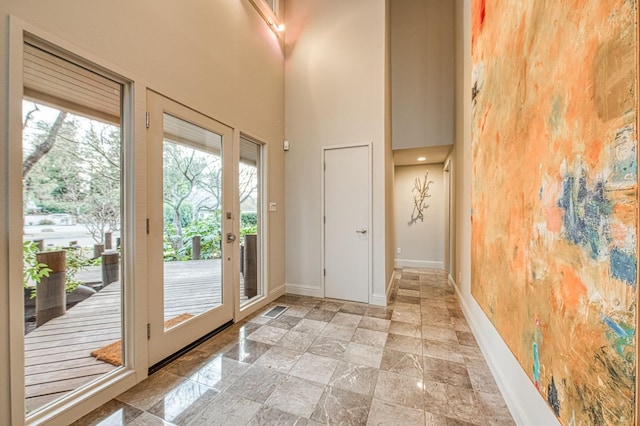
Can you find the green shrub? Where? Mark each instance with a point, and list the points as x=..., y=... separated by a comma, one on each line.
x=33, y=271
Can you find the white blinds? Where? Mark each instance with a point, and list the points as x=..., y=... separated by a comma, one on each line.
x=249, y=152
x=54, y=81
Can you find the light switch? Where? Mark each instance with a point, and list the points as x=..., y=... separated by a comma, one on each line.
x=272, y=206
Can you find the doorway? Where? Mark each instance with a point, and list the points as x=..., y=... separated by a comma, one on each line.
x=191, y=227
x=347, y=222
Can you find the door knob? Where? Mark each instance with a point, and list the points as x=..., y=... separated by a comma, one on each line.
x=231, y=237
x=361, y=231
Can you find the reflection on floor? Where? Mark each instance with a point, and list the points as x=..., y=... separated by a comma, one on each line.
x=326, y=361
x=58, y=353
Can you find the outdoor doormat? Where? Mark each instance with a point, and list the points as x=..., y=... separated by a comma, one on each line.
x=112, y=353
x=275, y=312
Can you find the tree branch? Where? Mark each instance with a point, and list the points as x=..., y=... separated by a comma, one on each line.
x=42, y=149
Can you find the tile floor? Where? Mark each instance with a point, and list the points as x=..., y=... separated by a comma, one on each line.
x=326, y=361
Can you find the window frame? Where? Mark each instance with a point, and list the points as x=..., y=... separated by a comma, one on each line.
x=249, y=306
x=70, y=407
x=270, y=15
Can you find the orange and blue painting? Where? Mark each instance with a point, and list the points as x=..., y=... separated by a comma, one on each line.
x=555, y=196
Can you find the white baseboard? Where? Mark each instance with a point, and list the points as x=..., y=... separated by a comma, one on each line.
x=525, y=403
x=278, y=291
x=390, y=285
x=261, y=302
x=452, y=282
x=304, y=290
x=408, y=263
x=379, y=299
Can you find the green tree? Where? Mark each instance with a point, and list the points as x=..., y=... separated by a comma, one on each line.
x=48, y=137
x=183, y=169
x=72, y=165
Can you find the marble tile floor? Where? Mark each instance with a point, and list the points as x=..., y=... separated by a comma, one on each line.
x=324, y=361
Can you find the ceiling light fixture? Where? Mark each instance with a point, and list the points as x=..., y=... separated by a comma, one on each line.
x=422, y=158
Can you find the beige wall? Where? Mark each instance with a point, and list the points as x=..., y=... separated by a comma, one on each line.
x=219, y=58
x=422, y=73
x=421, y=242
x=334, y=95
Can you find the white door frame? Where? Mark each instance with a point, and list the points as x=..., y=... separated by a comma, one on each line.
x=324, y=149
x=162, y=342
x=447, y=193
x=242, y=311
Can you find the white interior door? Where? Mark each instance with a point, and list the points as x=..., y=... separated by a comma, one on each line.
x=347, y=223
x=191, y=231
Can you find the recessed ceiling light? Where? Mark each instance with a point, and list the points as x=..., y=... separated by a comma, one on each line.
x=422, y=158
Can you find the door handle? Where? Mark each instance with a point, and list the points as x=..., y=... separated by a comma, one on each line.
x=231, y=237
x=361, y=231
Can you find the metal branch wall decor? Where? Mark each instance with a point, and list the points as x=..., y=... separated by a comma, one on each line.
x=420, y=191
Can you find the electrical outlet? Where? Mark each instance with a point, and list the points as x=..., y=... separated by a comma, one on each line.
x=273, y=206
x=398, y=250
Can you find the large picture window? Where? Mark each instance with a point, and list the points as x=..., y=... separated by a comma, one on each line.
x=72, y=175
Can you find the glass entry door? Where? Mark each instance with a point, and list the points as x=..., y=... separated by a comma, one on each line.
x=190, y=226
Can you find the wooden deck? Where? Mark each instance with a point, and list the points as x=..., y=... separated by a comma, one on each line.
x=57, y=354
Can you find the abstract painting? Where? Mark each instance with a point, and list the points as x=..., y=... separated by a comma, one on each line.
x=555, y=196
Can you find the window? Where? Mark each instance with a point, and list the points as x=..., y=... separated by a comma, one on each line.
x=273, y=4
x=72, y=176
x=251, y=203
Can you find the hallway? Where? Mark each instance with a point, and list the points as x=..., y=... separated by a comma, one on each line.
x=326, y=361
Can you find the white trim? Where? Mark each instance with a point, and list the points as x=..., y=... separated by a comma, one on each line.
x=278, y=291
x=322, y=232
x=257, y=300
x=14, y=205
x=379, y=300
x=372, y=298
x=234, y=248
x=408, y=263
x=270, y=16
x=524, y=402
x=252, y=307
x=85, y=399
x=324, y=149
x=240, y=310
x=260, y=303
x=304, y=290
x=390, y=285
